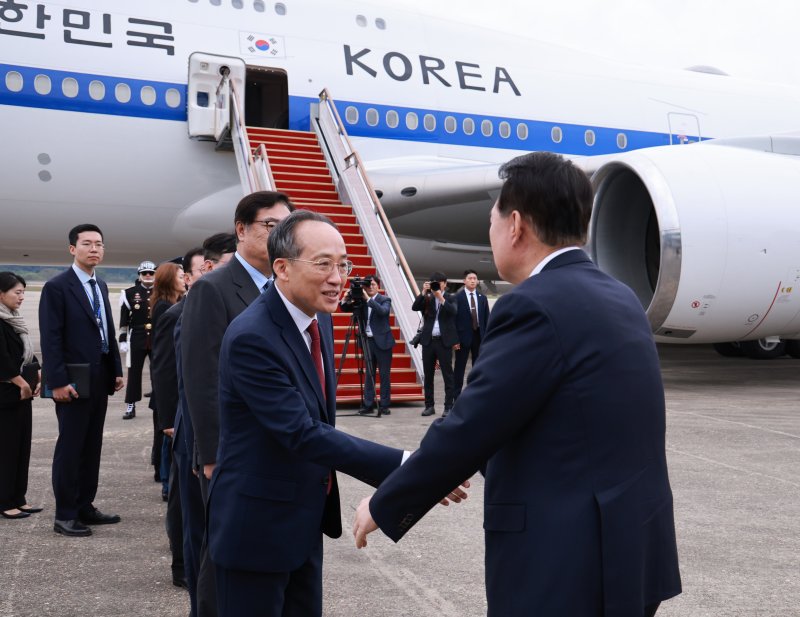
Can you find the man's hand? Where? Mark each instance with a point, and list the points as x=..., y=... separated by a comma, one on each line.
x=456, y=495
x=208, y=470
x=169, y=432
x=363, y=523
x=457, y=346
x=123, y=347
x=119, y=383
x=25, y=392
x=426, y=286
x=64, y=394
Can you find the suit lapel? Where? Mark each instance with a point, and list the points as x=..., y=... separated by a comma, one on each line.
x=246, y=288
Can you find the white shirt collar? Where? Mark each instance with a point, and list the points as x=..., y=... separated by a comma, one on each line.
x=82, y=276
x=258, y=277
x=301, y=320
x=540, y=266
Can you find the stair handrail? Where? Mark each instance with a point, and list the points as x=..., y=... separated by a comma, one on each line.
x=254, y=169
x=355, y=187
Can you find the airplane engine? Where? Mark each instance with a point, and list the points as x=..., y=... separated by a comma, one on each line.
x=706, y=235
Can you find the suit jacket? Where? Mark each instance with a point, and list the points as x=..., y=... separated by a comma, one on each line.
x=183, y=438
x=565, y=410
x=11, y=351
x=163, y=368
x=69, y=332
x=278, y=446
x=378, y=319
x=464, y=317
x=447, y=315
x=214, y=301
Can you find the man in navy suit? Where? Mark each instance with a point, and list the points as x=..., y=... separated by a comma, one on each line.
x=471, y=320
x=76, y=328
x=563, y=413
x=374, y=310
x=274, y=490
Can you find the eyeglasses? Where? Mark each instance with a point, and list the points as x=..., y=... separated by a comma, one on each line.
x=88, y=245
x=326, y=266
x=270, y=224
x=147, y=273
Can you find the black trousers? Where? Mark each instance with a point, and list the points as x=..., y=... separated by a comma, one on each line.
x=436, y=350
x=76, y=459
x=206, y=579
x=192, y=520
x=15, y=454
x=133, y=393
x=272, y=594
x=461, y=362
x=381, y=360
x=174, y=521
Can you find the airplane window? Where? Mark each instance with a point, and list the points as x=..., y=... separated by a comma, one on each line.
x=69, y=86
x=505, y=130
x=148, y=95
x=468, y=125
x=42, y=85
x=14, y=81
x=487, y=128
x=280, y=8
x=392, y=119
x=589, y=137
x=237, y=4
x=351, y=115
x=202, y=99
x=380, y=23
x=361, y=21
x=258, y=5
x=97, y=90
x=556, y=134
x=450, y=124
x=122, y=92
x=622, y=141
x=522, y=131
x=429, y=122
x=372, y=116
x=173, y=98
x=412, y=121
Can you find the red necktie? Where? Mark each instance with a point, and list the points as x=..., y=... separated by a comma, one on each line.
x=316, y=354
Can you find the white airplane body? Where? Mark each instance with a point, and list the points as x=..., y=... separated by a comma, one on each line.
x=94, y=107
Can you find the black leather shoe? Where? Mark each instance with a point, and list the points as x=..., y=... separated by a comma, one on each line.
x=429, y=411
x=164, y=494
x=71, y=528
x=20, y=514
x=31, y=509
x=180, y=582
x=365, y=411
x=95, y=517
x=446, y=411
x=385, y=411
x=130, y=412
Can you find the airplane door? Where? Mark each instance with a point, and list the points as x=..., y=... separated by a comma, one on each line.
x=683, y=128
x=266, y=101
x=205, y=110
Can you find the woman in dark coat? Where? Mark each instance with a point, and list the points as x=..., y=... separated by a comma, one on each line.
x=16, y=394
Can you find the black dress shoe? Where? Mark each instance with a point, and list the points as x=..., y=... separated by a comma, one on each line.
x=385, y=411
x=130, y=411
x=164, y=494
x=20, y=514
x=429, y=411
x=95, y=517
x=71, y=528
x=446, y=411
x=365, y=411
x=30, y=509
x=180, y=582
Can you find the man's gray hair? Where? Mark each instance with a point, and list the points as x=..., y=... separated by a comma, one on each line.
x=282, y=241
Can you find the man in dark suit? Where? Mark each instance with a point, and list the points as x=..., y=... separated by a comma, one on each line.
x=215, y=300
x=274, y=491
x=564, y=413
x=471, y=320
x=439, y=336
x=76, y=327
x=374, y=309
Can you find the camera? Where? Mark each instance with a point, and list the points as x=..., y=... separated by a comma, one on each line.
x=357, y=286
x=434, y=285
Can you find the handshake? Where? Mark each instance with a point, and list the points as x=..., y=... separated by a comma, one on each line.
x=363, y=524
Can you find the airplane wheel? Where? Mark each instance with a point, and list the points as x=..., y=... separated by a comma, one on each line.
x=762, y=350
x=729, y=350
x=793, y=348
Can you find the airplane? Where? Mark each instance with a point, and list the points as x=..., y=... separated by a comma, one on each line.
x=695, y=171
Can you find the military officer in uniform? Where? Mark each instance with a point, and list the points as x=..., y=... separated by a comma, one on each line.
x=135, y=333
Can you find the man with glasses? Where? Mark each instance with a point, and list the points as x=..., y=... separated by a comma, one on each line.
x=76, y=327
x=215, y=300
x=134, y=333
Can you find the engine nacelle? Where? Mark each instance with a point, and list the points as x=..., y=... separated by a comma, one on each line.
x=707, y=236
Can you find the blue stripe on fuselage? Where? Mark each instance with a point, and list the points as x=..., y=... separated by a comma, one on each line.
x=539, y=133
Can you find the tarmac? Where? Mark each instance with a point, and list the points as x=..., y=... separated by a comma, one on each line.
x=733, y=446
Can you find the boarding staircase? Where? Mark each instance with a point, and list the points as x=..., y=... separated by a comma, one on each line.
x=320, y=171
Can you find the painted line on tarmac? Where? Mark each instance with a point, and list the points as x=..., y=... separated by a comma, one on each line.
x=733, y=467
x=744, y=424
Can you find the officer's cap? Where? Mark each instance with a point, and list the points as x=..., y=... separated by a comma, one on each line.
x=147, y=266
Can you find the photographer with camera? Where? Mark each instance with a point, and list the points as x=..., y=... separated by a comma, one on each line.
x=438, y=337
x=374, y=309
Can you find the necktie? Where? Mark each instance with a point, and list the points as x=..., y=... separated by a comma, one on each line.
x=316, y=354
x=473, y=311
x=265, y=286
x=98, y=316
